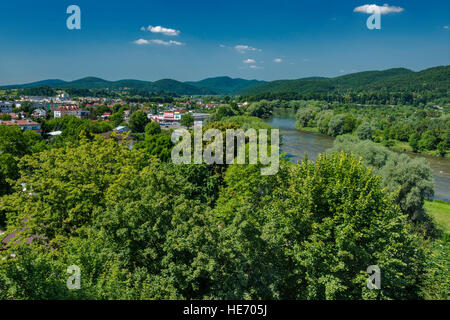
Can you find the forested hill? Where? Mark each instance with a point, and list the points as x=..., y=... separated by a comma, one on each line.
x=165, y=85
x=225, y=85
x=392, y=80
x=210, y=86
x=433, y=82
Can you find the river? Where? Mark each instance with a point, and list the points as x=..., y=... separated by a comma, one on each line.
x=296, y=143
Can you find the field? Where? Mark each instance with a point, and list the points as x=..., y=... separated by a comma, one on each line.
x=440, y=211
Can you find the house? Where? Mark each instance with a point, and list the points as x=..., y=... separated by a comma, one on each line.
x=6, y=107
x=23, y=124
x=70, y=110
x=15, y=116
x=106, y=115
x=39, y=113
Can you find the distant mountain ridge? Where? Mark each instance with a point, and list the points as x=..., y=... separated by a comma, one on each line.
x=212, y=86
x=167, y=85
x=396, y=79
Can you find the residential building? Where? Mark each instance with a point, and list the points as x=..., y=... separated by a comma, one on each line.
x=39, y=113
x=23, y=124
x=70, y=110
x=6, y=107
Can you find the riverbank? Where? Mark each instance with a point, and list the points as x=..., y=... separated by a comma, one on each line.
x=399, y=146
x=296, y=143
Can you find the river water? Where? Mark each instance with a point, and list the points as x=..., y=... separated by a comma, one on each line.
x=296, y=143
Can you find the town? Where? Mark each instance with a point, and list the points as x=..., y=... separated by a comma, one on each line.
x=30, y=112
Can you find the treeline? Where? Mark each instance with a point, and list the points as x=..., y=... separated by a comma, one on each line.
x=131, y=95
x=142, y=96
x=393, y=86
x=95, y=93
x=440, y=97
x=45, y=91
x=423, y=129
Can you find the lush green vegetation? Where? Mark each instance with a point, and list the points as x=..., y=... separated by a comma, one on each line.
x=140, y=227
x=45, y=91
x=166, y=85
x=393, y=86
x=404, y=128
x=389, y=87
x=440, y=211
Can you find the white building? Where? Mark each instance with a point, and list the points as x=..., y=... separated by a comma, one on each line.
x=70, y=110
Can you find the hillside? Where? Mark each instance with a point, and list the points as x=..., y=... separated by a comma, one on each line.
x=225, y=85
x=398, y=79
x=166, y=85
x=435, y=79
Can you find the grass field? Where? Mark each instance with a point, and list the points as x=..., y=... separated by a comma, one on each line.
x=309, y=129
x=440, y=211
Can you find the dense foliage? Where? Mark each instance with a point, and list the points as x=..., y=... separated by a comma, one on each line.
x=138, y=229
x=424, y=129
x=411, y=177
x=393, y=86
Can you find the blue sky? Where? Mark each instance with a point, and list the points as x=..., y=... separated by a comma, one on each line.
x=199, y=39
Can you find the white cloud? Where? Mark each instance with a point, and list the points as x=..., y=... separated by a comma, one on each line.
x=160, y=29
x=244, y=48
x=159, y=42
x=167, y=43
x=222, y=46
x=255, y=67
x=141, y=41
x=371, y=8
x=278, y=60
x=445, y=27
x=249, y=61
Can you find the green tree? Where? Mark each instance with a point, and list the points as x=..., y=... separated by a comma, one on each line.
x=187, y=120
x=138, y=121
x=304, y=116
x=441, y=148
x=117, y=107
x=413, y=177
x=261, y=109
x=152, y=128
x=315, y=227
x=364, y=131
x=414, y=141
x=117, y=118
x=323, y=119
x=428, y=141
x=336, y=125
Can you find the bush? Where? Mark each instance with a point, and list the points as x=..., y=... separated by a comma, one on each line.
x=412, y=177
x=364, y=131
